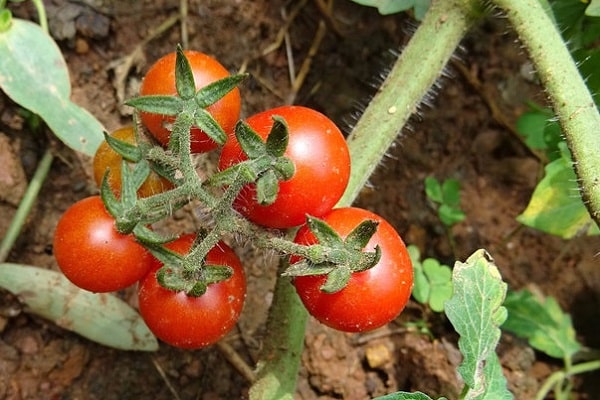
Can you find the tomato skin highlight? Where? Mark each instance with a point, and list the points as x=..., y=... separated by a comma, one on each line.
x=322, y=168
x=194, y=322
x=373, y=297
x=106, y=158
x=160, y=80
x=92, y=254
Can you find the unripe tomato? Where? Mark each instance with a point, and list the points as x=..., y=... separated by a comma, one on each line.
x=106, y=158
x=194, y=322
x=92, y=254
x=160, y=80
x=372, y=298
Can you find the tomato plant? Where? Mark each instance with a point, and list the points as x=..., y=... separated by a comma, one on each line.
x=193, y=322
x=372, y=298
x=321, y=161
x=160, y=80
x=107, y=158
x=93, y=254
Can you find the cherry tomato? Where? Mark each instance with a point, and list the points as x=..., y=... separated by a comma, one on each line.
x=321, y=159
x=373, y=297
x=194, y=322
x=160, y=80
x=92, y=254
x=106, y=158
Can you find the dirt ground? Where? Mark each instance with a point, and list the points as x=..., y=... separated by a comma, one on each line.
x=453, y=136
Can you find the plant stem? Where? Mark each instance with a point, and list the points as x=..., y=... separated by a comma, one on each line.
x=570, y=97
x=41, y=10
x=559, y=376
x=416, y=70
x=26, y=203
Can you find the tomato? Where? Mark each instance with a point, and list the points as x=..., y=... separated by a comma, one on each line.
x=160, y=80
x=194, y=322
x=92, y=254
x=106, y=158
x=321, y=159
x=372, y=298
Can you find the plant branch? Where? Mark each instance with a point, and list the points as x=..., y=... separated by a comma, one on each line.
x=570, y=97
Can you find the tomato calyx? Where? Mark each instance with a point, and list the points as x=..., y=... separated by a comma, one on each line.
x=266, y=164
x=336, y=257
x=187, y=98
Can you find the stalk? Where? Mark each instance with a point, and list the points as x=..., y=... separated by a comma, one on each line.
x=416, y=70
x=570, y=97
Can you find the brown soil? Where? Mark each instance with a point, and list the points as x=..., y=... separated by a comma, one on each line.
x=454, y=136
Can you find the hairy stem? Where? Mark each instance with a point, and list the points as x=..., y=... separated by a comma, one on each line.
x=570, y=97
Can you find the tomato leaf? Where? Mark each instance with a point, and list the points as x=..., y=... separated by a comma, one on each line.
x=33, y=73
x=476, y=312
x=214, y=91
x=278, y=138
x=542, y=322
x=102, y=318
x=556, y=206
x=250, y=142
x=184, y=77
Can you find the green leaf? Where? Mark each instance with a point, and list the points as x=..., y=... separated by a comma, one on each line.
x=556, y=206
x=406, y=396
x=440, y=280
x=35, y=75
x=451, y=192
x=102, y=318
x=542, y=322
x=476, y=312
x=184, y=77
x=593, y=9
x=450, y=215
x=421, y=287
x=386, y=7
x=157, y=104
x=531, y=126
x=433, y=189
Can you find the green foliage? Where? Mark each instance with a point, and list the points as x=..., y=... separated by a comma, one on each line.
x=102, y=318
x=447, y=196
x=542, y=322
x=556, y=206
x=407, y=396
x=386, y=7
x=432, y=281
x=476, y=312
x=593, y=9
x=36, y=77
x=541, y=130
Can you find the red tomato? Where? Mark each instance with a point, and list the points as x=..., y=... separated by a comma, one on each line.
x=160, y=80
x=321, y=159
x=194, y=322
x=93, y=254
x=373, y=297
x=106, y=158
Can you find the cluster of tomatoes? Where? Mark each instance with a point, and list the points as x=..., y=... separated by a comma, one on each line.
x=95, y=256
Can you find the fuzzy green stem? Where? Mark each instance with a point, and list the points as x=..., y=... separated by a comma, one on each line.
x=26, y=203
x=570, y=97
x=416, y=70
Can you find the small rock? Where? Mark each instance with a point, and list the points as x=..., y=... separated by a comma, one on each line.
x=377, y=355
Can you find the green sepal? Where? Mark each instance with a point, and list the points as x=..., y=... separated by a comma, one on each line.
x=111, y=203
x=184, y=76
x=206, y=122
x=250, y=142
x=337, y=279
x=128, y=151
x=169, y=279
x=131, y=180
x=157, y=104
x=368, y=259
x=306, y=268
x=214, y=91
x=278, y=138
x=360, y=236
x=267, y=187
x=148, y=237
x=284, y=167
x=323, y=232
x=5, y=20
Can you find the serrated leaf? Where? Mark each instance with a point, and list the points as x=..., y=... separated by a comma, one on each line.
x=35, y=76
x=102, y=318
x=556, y=206
x=406, y=396
x=476, y=312
x=542, y=322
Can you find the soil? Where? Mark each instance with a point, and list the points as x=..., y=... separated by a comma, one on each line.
x=454, y=135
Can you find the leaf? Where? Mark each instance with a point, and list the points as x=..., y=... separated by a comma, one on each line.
x=406, y=396
x=421, y=287
x=386, y=7
x=102, y=318
x=593, y=9
x=440, y=282
x=450, y=215
x=451, y=192
x=556, y=206
x=35, y=76
x=531, y=126
x=476, y=312
x=542, y=322
x=433, y=189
